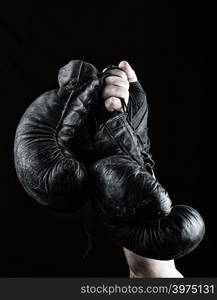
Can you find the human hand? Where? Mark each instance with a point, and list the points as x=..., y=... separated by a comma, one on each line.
x=117, y=86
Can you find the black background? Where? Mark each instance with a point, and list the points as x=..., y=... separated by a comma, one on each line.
x=171, y=49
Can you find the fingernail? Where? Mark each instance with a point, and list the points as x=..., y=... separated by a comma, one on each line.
x=123, y=63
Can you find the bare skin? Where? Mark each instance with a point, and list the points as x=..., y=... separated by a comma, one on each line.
x=143, y=267
x=116, y=87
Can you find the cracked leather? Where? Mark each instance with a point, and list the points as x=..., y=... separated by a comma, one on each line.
x=64, y=154
x=130, y=202
x=53, y=139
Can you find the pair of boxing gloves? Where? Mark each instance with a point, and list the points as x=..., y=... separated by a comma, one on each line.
x=69, y=148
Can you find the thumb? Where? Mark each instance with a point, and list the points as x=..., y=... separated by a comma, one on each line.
x=125, y=66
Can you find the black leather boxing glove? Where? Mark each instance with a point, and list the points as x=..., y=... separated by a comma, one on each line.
x=136, y=112
x=128, y=199
x=51, y=142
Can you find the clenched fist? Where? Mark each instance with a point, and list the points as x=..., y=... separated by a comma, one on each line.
x=117, y=86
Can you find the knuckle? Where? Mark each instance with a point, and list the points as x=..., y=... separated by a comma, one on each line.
x=123, y=75
x=116, y=103
x=123, y=82
x=111, y=103
x=108, y=101
x=117, y=81
x=109, y=79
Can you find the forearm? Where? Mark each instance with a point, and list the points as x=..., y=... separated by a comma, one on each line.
x=143, y=267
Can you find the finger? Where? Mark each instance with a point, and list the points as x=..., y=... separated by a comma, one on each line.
x=115, y=91
x=118, y=72
x=118, y=81
x=125, y=66
x=113, y=103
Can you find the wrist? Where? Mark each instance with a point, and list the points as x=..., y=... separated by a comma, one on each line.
x=143, y=267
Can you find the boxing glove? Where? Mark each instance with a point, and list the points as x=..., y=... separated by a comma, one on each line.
x=126, y=196
x=136, y=115
x=53, y=139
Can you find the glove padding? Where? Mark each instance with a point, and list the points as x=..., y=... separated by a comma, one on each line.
x=128, y=199
x=46, y=162
x=138, y=211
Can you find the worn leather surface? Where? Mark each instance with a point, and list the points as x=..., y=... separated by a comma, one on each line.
x=53, y=139
x=131, y=203
x=65, y=152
